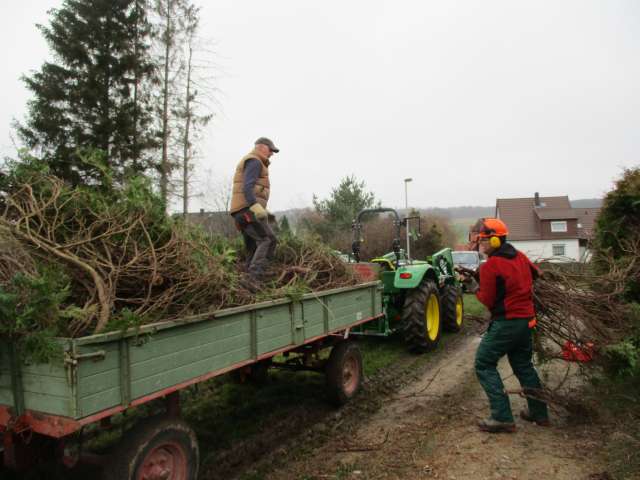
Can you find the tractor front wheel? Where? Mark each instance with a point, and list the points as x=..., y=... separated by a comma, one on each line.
x=452, y=308
x=421, y=317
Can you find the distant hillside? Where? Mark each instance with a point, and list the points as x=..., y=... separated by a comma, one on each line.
x=452, y=213
x=458, y=213
x=587, y=203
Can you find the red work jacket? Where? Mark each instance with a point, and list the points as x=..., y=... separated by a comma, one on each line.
x=506, y=284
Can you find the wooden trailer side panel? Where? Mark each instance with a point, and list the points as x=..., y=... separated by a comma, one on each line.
x=112, y=370
x=44, y=387
x=274, y=328
x=98, y=380
x=176, y=355
x=6, y=392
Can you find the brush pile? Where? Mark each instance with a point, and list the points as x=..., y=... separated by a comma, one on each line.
x=81, y=260
x=585, y=304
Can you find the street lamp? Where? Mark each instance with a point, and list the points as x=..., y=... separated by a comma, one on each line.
x=406, y=206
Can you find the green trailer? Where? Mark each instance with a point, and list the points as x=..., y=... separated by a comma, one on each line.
x=43, y=407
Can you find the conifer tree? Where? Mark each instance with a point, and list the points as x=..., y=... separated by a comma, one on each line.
x=285, y=227
x=345, y=201
x=92, y=93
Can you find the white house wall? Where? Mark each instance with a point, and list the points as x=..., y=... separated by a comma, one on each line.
x=542, y=249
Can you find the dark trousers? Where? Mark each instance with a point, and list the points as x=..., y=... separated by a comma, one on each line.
x=513, y=339
x=259, y=241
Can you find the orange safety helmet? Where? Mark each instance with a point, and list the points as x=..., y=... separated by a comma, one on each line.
x=492, y=228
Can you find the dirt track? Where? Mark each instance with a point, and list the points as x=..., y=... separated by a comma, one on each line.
x=413, y=420
x=426, y=429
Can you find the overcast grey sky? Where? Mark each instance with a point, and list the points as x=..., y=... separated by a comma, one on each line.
x=472, y=99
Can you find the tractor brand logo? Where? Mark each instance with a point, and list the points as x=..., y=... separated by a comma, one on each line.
x=443, y=266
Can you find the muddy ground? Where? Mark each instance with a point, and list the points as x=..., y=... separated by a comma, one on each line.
x=417, y=420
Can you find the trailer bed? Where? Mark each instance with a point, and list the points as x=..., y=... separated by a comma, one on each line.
x=103, y=374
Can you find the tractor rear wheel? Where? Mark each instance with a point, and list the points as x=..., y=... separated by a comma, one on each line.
x=421, y=317
x=452, y=308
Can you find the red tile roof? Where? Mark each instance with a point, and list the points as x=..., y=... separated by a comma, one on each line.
x=586, y=221
x=518, y=214
x=545, y=213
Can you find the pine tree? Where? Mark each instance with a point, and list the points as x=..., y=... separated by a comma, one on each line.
x=285, y=228
x=345, y=201
x=92, y=94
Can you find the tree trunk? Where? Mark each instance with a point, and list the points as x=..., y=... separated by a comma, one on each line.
x=185, y=153
x=136, y=82
x=164, y=167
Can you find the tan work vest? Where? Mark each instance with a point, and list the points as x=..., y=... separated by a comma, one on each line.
x=260, y=189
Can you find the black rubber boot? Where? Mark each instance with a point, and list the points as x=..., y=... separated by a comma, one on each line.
x=543, y=422
x=493, y=426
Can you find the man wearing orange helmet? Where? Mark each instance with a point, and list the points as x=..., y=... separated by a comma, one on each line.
x=506, y=289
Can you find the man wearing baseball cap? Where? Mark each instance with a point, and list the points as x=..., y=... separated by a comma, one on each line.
x=249, y=199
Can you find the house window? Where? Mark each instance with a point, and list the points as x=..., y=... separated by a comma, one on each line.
x=558, y=227
x=559, y=250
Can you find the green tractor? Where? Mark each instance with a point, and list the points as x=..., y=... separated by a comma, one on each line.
x=420, y=297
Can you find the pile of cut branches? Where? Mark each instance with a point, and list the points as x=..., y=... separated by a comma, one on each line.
x=307, y=264
x=110, y=257
x=585, y=305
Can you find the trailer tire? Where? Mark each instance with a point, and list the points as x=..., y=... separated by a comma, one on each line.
x=420, y=319
x=159, y=447
x=452, y=308
x=344, y=372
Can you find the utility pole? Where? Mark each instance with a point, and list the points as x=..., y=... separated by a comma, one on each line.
x=406, y=206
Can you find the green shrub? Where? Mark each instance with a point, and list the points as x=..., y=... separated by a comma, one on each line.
x=31, y=308
x=618, y=228
x=622, y=359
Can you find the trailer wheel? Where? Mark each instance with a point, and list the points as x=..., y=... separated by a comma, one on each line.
x=452, y=308
x=344, y=372
x=157, y=449
x=420, y=321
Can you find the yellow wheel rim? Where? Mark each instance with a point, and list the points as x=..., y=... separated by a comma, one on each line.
x=432, y=317
x=459, y=311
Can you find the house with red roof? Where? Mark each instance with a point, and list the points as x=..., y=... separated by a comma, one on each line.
x=548, y=227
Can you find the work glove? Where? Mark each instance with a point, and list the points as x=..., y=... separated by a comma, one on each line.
x=471, y=285
x=467, y=272
x=259, y=211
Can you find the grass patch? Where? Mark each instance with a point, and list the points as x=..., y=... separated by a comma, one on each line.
x=472, y=306
x=380, y=352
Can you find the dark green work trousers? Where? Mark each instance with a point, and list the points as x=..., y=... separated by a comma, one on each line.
x=513, y=339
